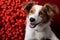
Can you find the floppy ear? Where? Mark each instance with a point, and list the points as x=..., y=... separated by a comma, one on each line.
x=51, y=9
x=28, y=6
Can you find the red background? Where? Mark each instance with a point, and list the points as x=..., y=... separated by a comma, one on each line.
x=12, y=19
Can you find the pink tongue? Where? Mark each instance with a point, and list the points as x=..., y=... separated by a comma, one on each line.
x=32, y=26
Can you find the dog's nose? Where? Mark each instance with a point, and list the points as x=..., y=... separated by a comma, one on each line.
x=32, y=19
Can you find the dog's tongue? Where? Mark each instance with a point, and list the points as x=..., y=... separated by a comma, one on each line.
x=32, y=25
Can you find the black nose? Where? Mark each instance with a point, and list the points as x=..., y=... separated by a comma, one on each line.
x=32, y=19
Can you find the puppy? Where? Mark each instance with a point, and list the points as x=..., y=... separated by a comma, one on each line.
x=38, y=21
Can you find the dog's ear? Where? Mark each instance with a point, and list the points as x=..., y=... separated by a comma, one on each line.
x=28, y=6
x=51, y=9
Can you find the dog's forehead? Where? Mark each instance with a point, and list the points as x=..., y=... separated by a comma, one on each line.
x=37, y=7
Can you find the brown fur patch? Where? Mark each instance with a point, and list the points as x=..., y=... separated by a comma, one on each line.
x=47, y=12
x=32, y=10
x=28, y=6
x=51, y=9
x=44, y=15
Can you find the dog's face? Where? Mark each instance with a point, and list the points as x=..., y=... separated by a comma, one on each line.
x=34, y=15
x=39, y=14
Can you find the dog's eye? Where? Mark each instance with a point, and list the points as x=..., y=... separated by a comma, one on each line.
x=31, y=11
x=40, y=13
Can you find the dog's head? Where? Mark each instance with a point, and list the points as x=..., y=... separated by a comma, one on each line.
x=39, y=14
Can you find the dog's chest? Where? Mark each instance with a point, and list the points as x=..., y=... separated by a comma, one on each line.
x=39, y=35
x=34, y=35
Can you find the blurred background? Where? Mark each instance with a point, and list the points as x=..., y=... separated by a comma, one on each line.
x=12, y=19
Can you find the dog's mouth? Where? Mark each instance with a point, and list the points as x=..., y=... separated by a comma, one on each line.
x=32, y=25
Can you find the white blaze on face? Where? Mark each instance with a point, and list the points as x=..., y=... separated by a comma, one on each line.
x=35, y=15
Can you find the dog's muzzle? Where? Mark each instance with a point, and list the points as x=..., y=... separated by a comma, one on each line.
x=34, y=25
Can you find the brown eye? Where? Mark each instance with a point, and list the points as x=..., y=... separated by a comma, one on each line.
x=40, y=13
x=31, y=11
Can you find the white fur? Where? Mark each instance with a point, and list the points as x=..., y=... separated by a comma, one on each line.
x=40, y=31
x=35, y=15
